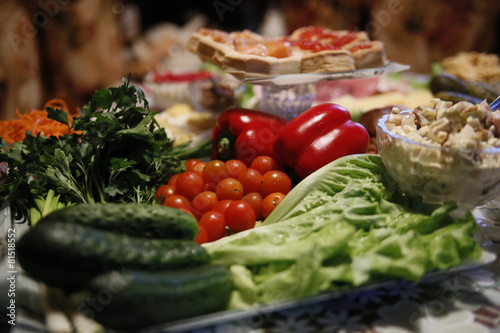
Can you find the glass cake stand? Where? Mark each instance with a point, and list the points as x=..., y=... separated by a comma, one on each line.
x=289, y=95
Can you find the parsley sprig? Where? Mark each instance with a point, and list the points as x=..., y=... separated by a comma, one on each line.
x=115, y=151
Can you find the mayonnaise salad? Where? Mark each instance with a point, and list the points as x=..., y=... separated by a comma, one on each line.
x=460, y=125
x=445, y=152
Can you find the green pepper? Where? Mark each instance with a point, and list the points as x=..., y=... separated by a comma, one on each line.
x=244, y=134
x=319, y=136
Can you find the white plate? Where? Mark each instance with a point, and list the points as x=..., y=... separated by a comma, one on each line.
x=303, y=78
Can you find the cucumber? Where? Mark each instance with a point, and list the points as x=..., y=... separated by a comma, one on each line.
x=146, y=220
x=456, y=97
x=130, y=299
x=66, y=255
x=450, y=84
x=481, y=91
x=447, y=82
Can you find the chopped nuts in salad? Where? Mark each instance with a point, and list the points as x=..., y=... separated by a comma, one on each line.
x=460, y=125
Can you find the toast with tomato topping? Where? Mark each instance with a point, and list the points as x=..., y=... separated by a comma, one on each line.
x=306, y=50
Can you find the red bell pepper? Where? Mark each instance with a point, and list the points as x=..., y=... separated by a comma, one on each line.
x=318, y=136
x=244, y=134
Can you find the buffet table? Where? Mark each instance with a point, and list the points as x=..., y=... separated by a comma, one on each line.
x=466, y=300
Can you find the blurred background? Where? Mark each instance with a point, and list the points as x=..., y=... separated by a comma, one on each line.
x=69, y=48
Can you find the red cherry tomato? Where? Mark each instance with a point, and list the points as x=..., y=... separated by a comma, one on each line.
x=250, y=180
x=255, y=200
x=270, y=202
x=229, y=188
x=235, y=167
x=189, y=184
x=190, y=162
x=264, y=164
x=177, y=201
x=173, y=180
x=275, y=181
x=221, y=206
x=197, y=166
x=203, y=202
x=214, y=172
x=202, y=236
x=188, y=211
x=164, y=192
x=240, y=216
x=215, y=224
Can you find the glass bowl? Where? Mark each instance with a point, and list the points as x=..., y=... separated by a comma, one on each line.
x=438, y=174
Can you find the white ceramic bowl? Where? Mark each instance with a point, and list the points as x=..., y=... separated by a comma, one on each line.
x=436, y=174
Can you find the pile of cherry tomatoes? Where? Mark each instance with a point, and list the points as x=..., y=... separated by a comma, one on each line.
x=226, y=197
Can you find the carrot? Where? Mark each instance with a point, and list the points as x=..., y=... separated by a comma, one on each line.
x=35, y=122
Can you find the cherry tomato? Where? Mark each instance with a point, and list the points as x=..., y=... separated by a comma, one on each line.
x=255, y=200
x=173, y=180
x=203, y=202
x=190, y=162
x=215, y=225
x=202, y=236
x=240, y=216
x=188, y=211
x=235, y=167
x=189, y=184
x=229, y=188
x=197, y=167
x=221, y=206
x=264, y=164
x=214, y=171
x=270, y=202
x=275, y=181
x=209, y=187
x=250, y=180
x=164, y=192
x=177, y=201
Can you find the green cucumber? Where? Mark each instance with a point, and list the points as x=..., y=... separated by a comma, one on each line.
x=460, y=90
x=447, y=82
x=154, y=221
x=481, y=91
x=66, y=255
x=130, y=300
x=456, y=97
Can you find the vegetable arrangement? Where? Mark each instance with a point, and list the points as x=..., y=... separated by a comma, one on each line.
x=113, y=152
x=340, y=225
x=142, y=254
x=343, y=226
x=226, y=197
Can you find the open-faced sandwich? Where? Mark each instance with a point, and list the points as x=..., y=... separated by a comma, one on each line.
x=311, y=49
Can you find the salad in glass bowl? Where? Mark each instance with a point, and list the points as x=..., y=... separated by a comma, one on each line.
x=443, y=153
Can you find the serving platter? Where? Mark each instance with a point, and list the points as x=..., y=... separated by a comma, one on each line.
x=304, y=78
x=266, y=310
x=291, y=94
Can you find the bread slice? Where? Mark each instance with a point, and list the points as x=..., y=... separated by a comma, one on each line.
x=249, y=65
x=327, y=61
x=370, y=54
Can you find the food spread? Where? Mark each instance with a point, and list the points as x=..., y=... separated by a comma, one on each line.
x=190, y=212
